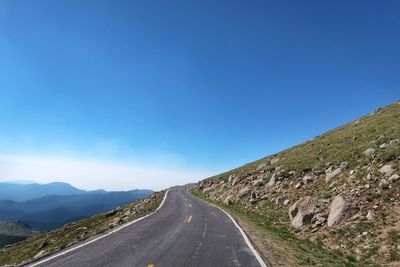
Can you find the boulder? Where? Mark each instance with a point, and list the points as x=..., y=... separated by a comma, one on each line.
x=340, y=209
x=261, y=166
x=298, y=185
x=228, y=200
x=330, y=175
x=370, y=152
x=302, y=211
x=206, y=190
x=370, y=215
x=41, y=254
x=244, y=191
x=393, y=142
x=275, y=160
x=307, y=179
x=383, y=146
x=272, y=180
x=394, y=178
x=387, y=170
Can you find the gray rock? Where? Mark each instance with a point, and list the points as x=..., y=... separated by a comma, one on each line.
x=261, y=166
x=274, y=160
x=206, y=190
x=286, y=202
x=228, y=200
x=387, y=170
x=302, y=211
x=298, y=185
x=344, y=165
x=370, y=215
x=383, y=146
x=340, y=209
x=330, y=175
x=307, y=179
x=244, y=191
x=370, y=152
x=393, y=142
x=394, y=178
x=41, y=254
x=271, y=181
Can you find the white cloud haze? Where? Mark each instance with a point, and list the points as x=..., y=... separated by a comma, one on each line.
x=94, y=174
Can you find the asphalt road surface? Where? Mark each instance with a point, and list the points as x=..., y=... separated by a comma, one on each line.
x=184, y=232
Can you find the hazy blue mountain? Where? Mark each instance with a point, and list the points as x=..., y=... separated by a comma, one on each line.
x=47, y=206
x=52, y=211
x=24, y=192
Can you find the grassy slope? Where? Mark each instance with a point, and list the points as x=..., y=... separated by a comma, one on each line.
x=345, y=143
x=76, y=232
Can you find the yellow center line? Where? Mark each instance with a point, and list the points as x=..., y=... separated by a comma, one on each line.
x=150, y=265
x=190, y=218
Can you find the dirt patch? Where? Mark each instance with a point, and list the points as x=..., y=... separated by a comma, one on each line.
x=273, y=253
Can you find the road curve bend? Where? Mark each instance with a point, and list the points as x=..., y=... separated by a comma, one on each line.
x=184, y=232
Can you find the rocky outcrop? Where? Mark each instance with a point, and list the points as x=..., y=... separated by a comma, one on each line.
x=302, y=211
x=340, y=209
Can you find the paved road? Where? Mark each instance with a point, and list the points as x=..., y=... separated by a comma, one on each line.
x=184, y=232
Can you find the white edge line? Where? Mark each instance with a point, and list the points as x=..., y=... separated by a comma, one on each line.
x=100, y=237
x=245, y=237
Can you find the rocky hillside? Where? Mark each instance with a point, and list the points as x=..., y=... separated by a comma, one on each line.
x=11, y=232
x=339, y=192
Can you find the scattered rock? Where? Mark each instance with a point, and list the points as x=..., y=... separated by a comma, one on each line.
x=206, y=190
x=370, y=152
x=330, y=175
x=318, y=220
x=393, y=142
x=302, y=211
x=40, y=254
x=42, y=245
x=307, y=179
x=261, y=166
x=115, y=222
x=340, y=209
x=344, y=165
x=387, y=170
x=275, y=160
x=298, y=185
x=286, y=202
x=370, y=215
x=383, y=146
x=394, y=178
x=228, y=200
x=271, y=181
x=244, y=191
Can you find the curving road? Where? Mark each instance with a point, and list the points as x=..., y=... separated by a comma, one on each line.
x=184, y=232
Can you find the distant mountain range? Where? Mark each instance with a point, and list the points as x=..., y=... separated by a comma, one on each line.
x=43, y=207
x=22, y=192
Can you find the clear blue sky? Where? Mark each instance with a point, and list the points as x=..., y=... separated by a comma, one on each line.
x=207, y=85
